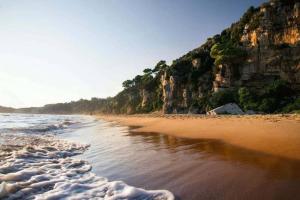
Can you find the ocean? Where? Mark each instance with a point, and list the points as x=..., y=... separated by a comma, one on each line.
x=37, y=163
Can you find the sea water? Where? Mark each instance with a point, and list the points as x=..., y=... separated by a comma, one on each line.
x=37, y=162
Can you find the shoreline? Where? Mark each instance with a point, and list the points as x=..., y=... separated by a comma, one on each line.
x=277, y=135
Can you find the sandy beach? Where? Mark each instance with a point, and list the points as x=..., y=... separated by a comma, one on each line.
x=277, y=135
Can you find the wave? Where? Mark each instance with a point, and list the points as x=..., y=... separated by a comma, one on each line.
x=42, y=167
x=40, y=128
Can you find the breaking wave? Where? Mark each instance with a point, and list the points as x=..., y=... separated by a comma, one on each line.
x=40, y=129
x=42, y=167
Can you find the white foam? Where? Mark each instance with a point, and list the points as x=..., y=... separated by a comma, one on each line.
x=41, y=167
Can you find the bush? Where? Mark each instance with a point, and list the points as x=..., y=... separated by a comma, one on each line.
x=223, y=97
x=202, y=104
x=247, y=99
x=279, y=89
x=276, y=96
x=293, y=107
x=268, y=105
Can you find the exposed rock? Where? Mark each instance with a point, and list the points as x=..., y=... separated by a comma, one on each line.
x=145, y=98
x=186, y=98
x=196, y=63
x=230, y=108
x=205, y=85
x=250, y=112
x=273, y=49
x=222, y=78
x=193, y=110
x=168, y=86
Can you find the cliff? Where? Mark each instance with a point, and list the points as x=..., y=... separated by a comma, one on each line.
x=271, y=40
x=255, y=63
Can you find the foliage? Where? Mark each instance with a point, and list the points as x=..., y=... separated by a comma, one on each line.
x=268, y=105
x=294, y=106
x=226, y=53
x=247, y=99
x=279, y=89
x=276, y=97
x=223, y=97
x=160, y=66
x=202, y=104
x=127, y=84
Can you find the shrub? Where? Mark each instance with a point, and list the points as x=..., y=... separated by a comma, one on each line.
x=202, y=104
x=268, y=105
x=247, y=99
x=279, y=89
x=276, y=96
x=292, y=107
x=223, y=97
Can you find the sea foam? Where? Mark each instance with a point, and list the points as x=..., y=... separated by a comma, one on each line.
x=41, y=167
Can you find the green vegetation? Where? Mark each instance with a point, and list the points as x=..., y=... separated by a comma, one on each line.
x=223, y=97
x=247, y=99
x=227, y=53
x=277, y=97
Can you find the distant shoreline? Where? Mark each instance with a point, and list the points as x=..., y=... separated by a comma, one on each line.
x=277, y=135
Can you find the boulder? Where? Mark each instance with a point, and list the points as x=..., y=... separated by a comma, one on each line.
x=250, y=112
x=231, y=109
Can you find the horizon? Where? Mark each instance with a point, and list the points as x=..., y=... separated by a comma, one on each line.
x=62, y=51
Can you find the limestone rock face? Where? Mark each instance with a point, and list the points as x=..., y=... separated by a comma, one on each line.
x=273, y=49
x=205, y=84
x=196, y=63
x=270, y=39
x=145, y=98
x=168, y=87
x=223, y=78
x=231, y=108
x=186, y=98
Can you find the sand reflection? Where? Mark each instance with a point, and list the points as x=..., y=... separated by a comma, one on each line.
x=276, y=167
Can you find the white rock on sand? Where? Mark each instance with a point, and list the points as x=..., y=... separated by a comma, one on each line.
x=230, y=108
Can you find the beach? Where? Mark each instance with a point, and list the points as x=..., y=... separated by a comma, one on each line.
x=276, y=135
x=60, y=157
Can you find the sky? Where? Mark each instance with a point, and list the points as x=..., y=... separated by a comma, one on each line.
x=62, y=50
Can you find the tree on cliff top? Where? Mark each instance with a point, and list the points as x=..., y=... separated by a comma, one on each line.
x=226, y=53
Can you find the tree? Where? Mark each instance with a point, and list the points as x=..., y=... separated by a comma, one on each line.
x=227, y=53
x=160, y=66
x=246, y=99
x=147, y=71
x=127, y=84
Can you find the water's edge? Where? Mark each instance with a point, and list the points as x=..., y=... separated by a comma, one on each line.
x=35, y=164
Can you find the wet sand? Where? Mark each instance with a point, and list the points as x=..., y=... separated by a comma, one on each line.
x=277, y=135
x=191, y=169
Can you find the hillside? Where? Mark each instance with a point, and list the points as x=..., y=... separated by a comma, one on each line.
x=254, y=63
x=6, y=109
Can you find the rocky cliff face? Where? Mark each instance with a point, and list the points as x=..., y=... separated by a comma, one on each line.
x=168, y=91
x=271, y=39
x=272, y=47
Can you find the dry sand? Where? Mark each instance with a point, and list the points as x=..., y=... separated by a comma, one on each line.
x=271, y=134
